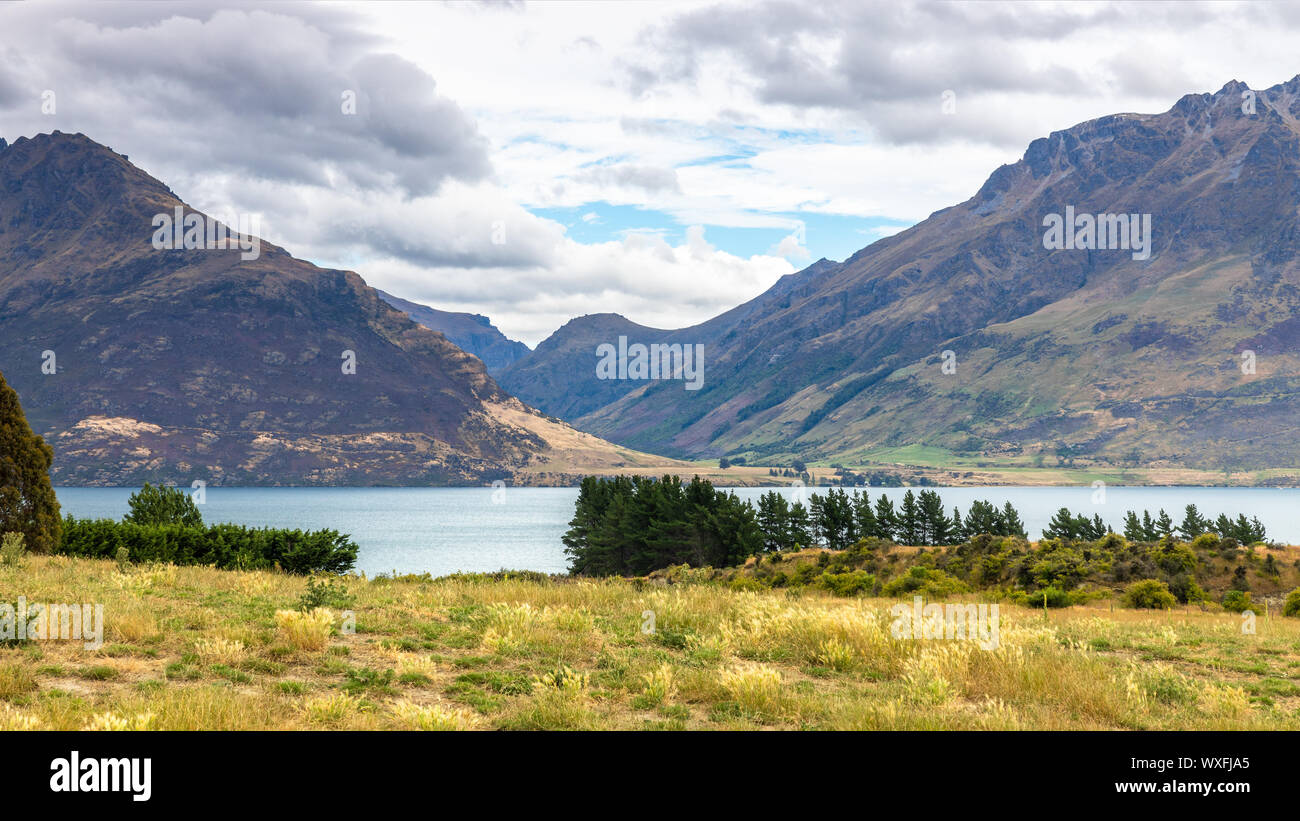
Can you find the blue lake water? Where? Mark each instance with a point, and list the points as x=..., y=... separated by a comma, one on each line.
x=444, y=530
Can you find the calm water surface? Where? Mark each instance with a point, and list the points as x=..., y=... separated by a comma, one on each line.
x=444, y=530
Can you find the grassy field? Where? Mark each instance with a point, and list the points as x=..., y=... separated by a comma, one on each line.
x=199, y=648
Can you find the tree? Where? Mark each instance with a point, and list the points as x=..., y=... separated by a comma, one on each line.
x=936, y=529
x=27, y=502
x=1011, y=524
x=1063, y=525
x=163, y=506
x=1149, y=533
x=982, y=518
x=1164, y=524
x=909, y=520
x=1133, y=530
x=864, y=519
x=800, y=526
x=833, y=516
x=774, y=521
x=886, y=518
x=630, y=526
x=958, y=529
x=1194, y=524
x=1094, y=530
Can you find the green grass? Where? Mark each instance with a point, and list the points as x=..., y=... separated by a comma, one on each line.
x=474, y=653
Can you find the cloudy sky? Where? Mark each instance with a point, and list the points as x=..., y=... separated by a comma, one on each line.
x=535, y=162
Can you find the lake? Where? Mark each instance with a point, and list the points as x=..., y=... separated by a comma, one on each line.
x=444, y=530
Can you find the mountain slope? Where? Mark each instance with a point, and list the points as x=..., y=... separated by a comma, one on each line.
x=1088, y=352
x=176, y=365
x=472, y=333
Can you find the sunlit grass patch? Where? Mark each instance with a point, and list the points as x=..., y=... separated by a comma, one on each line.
x=305, y=630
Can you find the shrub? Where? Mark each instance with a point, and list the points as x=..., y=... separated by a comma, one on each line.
x=853, y=583
x=1186, y=590
x=1238, y=601
x=1173, y=557
x=1150, y=594
x=225, y=546
x=162, y=506
x=1291, y=607
x=926, y=581
x=12, y=549
x=1048, y=597
x=746, y=583
x=325, y=593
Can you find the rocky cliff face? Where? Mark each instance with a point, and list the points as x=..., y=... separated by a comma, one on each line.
x=1111, y=353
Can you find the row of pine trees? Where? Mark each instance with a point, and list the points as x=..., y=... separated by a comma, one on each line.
x=632, y=525
x=1066, y=525
x=839, y=519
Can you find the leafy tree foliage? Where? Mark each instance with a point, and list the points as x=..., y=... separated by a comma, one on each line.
x=630, y=526
x=163, y=506
x=27, y=502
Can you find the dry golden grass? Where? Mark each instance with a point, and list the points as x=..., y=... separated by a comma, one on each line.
x=199, y=648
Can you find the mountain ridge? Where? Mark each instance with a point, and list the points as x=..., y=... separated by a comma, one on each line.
x=472, y=333
x=140, y=364
x=842, y=361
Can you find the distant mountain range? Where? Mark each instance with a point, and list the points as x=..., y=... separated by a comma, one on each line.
x=140, y=364
x=1113, y=354
x=472, y=333
x=991, y=330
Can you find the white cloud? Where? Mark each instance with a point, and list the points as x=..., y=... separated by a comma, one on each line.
x=474, y=113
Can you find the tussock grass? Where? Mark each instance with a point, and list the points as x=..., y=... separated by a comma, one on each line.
x=305, y=630
x=199, y=648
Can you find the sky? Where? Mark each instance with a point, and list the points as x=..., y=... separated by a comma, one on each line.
x=534, y=162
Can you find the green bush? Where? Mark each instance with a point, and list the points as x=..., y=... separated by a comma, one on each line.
x=12, y=549
x=1173, y=557
x=327, y=592
x=1238, y=601
x=746, y=583
x=1048, y=597
x=853, y=583
x=1186, y=590
x=162, y=506
x=1291, y=607
x=1151, y=594
x=925, y=581
x=225, y=546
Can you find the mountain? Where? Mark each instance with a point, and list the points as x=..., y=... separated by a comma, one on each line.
x=472, y=333
x=1111, y=355
x=139, y=364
